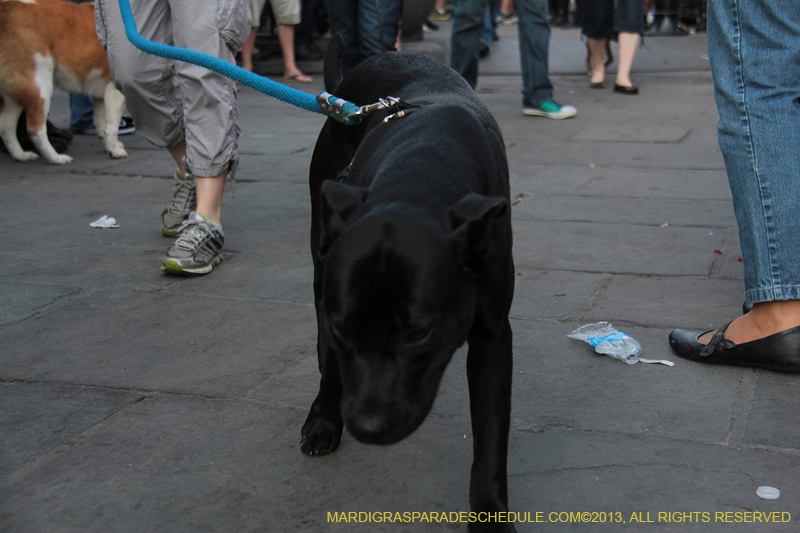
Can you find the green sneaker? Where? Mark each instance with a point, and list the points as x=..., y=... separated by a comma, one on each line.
x=550, y=109
x=184, y=200
x=198, y=250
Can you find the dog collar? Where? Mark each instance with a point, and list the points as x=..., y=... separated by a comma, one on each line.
x=343, y=111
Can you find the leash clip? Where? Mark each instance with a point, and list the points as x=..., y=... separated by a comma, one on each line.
x=341, y=110
x=400, y=114
x=390, y=102
x=349, y=114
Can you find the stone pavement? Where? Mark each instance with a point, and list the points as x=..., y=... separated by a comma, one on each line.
x=135, y=401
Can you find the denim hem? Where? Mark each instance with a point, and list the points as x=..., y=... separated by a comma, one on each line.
x=526, y=102
x=755, y=296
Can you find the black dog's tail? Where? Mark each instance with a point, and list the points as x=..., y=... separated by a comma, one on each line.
x=333, y=63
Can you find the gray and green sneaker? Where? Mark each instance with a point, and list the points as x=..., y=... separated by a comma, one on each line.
x=184, y=200
x=197, y=250
x=549, y=109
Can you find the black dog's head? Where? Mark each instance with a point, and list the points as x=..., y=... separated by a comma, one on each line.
x=398, y=299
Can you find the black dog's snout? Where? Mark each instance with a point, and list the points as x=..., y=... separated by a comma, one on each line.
x=368, y=427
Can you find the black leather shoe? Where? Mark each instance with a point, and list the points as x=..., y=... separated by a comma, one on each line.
x=633, y=89
x=776, y=352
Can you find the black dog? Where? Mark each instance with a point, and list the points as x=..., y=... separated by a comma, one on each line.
x=411, y=241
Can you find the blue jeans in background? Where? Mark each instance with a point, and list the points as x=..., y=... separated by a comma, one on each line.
x=534, y=45
x=489, y=21
x=357, y=23
x=81, y=112
x=754, y=48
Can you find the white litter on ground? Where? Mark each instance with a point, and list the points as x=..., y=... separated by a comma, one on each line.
x=768, y=493
x=104, y=221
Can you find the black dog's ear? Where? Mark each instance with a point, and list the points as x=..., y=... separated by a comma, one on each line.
x=470, y=222
x=340, y=205
x=332, y=66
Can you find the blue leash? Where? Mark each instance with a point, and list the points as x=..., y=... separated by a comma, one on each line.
x=325, y=103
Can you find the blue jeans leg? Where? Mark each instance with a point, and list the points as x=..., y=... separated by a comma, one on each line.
x=465, y=38
x=534, y=46
x=343, y=19
x=755, y=60
x=378, y=34
x=81, y=112
x=489, y=24
x=357, y=22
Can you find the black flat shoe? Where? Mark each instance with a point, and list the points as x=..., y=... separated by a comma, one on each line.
x=777, y=352
x=598, y=85
x=633, y=89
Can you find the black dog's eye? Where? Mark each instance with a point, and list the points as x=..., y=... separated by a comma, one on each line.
x=417, y=335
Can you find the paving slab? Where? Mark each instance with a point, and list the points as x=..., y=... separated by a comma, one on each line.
x=617, y=248
x=669, y=302
x=649, y=484
x=177, y=463
x=37, y=418
x=142, y=340
x=623, y=210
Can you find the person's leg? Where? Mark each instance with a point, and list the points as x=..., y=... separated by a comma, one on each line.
x=757, y=87
x=628, y=42
x=465, y=39
x=209, y=190
x=248, y=48
x=494, y=11
x=630, y=19
x=391, y=13
x=488, y=26
x=343, y=19
x=146, y=81
x=81, y=112
x=287, y=15
x=597, y=51
x=597, y=25
x=534, y=45
x=378, y=31
x=152, y=94
x=304, y=33
x=212, y=127
x=290, y=68
x=178, y=153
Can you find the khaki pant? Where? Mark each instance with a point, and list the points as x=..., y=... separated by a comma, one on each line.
x=171, y=100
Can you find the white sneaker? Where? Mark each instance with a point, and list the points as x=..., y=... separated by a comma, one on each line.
x=550, y=109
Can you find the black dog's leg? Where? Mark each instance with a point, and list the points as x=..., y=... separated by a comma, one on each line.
x=322, y=431
x=489, y=368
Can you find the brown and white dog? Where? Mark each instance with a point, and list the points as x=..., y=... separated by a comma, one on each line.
x=46, y=44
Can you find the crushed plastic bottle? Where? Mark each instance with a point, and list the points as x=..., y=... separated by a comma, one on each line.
x=607, y=340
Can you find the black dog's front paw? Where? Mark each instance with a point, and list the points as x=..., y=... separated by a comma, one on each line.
x=320, y=436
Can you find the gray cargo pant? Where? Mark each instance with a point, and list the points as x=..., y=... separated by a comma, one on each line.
x=171, y=100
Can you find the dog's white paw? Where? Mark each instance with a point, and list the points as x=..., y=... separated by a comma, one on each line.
x=118, y=151
x=27, y=156
x=61, y=159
